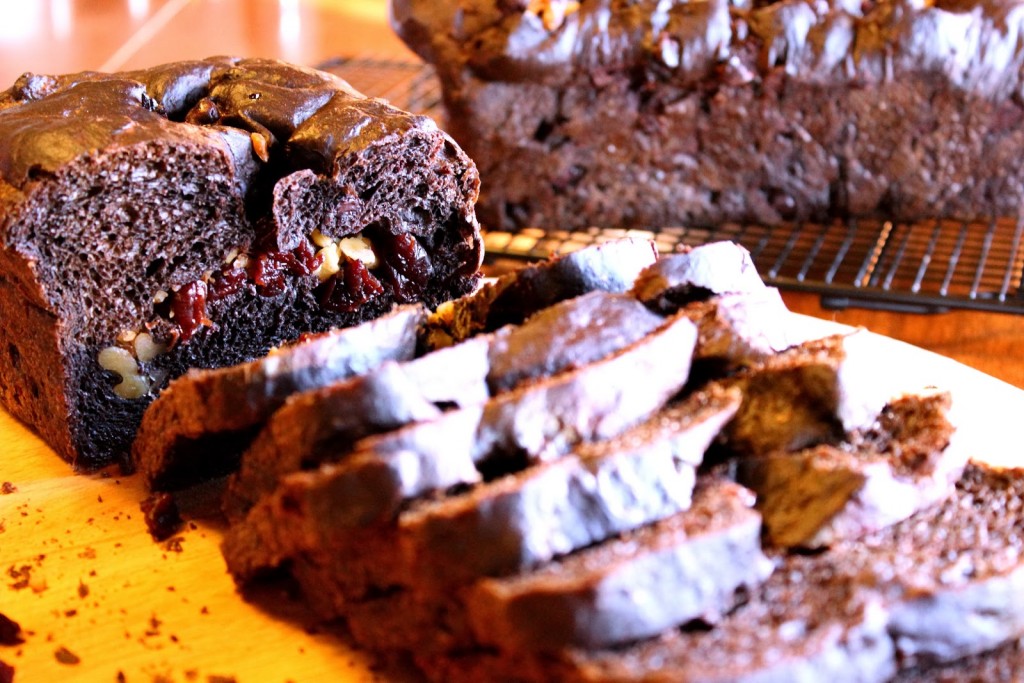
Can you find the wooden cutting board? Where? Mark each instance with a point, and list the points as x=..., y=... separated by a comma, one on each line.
x=100, y=601
x=81, y=575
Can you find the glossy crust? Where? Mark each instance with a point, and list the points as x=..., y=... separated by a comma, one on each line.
x=673, y=113
x=119, y=191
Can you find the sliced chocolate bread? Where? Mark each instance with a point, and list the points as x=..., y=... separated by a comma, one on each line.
x=697, y=274
x=327, y=424
x=684, y=567
x=612, y=267
x=565, y=335
x=195, y=215
x=321, y=426
x=803, y=623
x=953, y=574
x=817, y=392
x=199, y=425
x=333, y=502
x=609, y=593
x=938, y=587
x=575, y=526
x=829, y=493
x=921, y=595
x=736, y=330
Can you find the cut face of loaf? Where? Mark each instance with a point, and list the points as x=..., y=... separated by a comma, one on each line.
x=197, y=214
x=198, y=426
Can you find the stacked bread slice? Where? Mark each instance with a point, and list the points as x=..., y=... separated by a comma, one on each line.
x=608, y=467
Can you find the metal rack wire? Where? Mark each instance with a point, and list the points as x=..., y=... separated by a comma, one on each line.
x=927, y=266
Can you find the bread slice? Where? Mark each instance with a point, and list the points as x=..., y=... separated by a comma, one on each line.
x=323, y=426
x=197, y=214
x=817, y=392
x=611, y=266
x=684, y=567
x=566, y=335
x=824, y=494
x=199, y=425
x=601, y=593
x=716, y=268
x=737, y=330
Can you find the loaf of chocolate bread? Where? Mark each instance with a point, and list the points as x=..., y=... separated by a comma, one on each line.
x=638, y=114
x=197, y=214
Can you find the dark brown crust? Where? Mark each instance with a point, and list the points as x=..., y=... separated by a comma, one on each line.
x=156, y=178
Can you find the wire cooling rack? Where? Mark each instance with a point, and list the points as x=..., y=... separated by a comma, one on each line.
x=927, y=266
